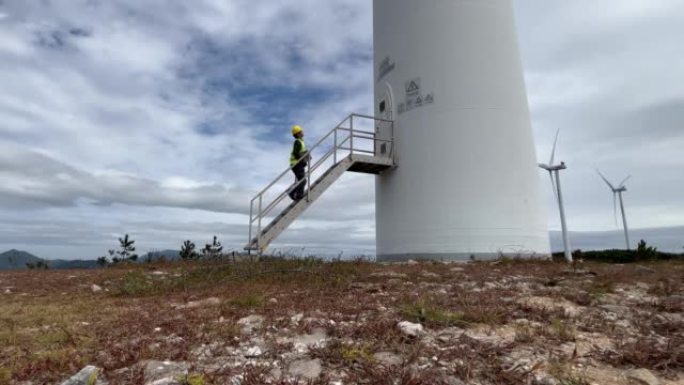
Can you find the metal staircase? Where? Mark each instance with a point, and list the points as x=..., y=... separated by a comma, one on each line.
x=358, y=144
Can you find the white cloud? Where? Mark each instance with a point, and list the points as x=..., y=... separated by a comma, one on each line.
x=103, y=103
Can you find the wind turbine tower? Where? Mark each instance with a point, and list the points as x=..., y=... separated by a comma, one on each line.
x=554, y=175
x=448, y=73
x=617, y=193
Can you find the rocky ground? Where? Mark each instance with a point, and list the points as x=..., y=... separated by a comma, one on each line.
x=289, y=322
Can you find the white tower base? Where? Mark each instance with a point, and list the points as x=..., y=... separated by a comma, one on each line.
x=466, y=183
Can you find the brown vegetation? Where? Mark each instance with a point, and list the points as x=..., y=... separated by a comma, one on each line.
x=52, y=323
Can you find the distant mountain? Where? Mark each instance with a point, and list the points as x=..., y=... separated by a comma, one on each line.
x=73, y=264
x=16, y=259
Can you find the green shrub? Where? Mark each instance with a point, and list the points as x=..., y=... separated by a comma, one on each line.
x=573, y=380
x=563, y=330
x=354, y=353
x=646, y=252
x=5, y=376
x=524, y=333
x=136, y=283
x=426, y=313
x=642, y=253
x=193, y=379
x=247, y=302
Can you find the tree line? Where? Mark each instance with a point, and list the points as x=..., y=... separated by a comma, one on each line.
x=188, y=251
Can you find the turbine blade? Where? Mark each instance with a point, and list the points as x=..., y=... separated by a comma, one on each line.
x=622, y=184
x=553, y=152
x=605, y=180
x=615, y=208
x=553, y=185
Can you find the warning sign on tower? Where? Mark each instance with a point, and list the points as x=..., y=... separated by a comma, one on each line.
x=414, y=97
x=413, y=87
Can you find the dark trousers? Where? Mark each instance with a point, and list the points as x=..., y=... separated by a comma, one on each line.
x=300, y=180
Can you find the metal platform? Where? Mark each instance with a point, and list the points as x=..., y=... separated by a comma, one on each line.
x=351, y=150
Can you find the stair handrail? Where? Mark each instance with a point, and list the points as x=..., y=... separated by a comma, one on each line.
x=256, y=216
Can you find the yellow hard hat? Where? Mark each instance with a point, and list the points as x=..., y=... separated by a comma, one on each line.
x=296, y=130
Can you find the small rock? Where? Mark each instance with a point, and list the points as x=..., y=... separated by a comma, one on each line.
x=158, y=372
x=429, y=274
x=273, y=301
x=499, y=336
x=306, y=369
x=251, y=323
x=671, y=318
x=616, y=309
x=644, y=269
x=297, y=318
x=547, y=303
x=303, y=342
x=544, y=379
x=253, y=352
x=389, y=274
x=642, y=286
x=86, y=376
x=410, y=329
x=388, y=359
x=275, y=373
x=449, y=334
x=157, y=272
x=166, y=381
x=451, y=380
x=213, y=301
x=8, y=291
x=95, y=288
x=456, y=269
x=642, y=377
x=368, y=287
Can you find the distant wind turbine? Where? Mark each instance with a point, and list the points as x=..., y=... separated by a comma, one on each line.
x=554, y=175
x=617, y=193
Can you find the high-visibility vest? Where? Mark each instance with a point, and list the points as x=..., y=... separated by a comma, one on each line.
x=294, y=158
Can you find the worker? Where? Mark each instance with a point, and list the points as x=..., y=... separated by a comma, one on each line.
x=298, y=168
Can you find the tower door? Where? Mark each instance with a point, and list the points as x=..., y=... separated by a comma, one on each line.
x=384, y=109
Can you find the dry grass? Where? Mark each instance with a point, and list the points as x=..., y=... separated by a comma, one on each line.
x=649, y=353
x=52, y=324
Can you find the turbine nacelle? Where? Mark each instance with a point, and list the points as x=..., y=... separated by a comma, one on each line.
x=551, y=166
x=620, y=188
x=555, y=167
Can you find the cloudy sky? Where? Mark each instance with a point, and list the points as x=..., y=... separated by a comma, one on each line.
x=161, y=118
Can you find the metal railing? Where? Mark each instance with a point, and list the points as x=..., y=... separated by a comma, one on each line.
x=349, y=137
